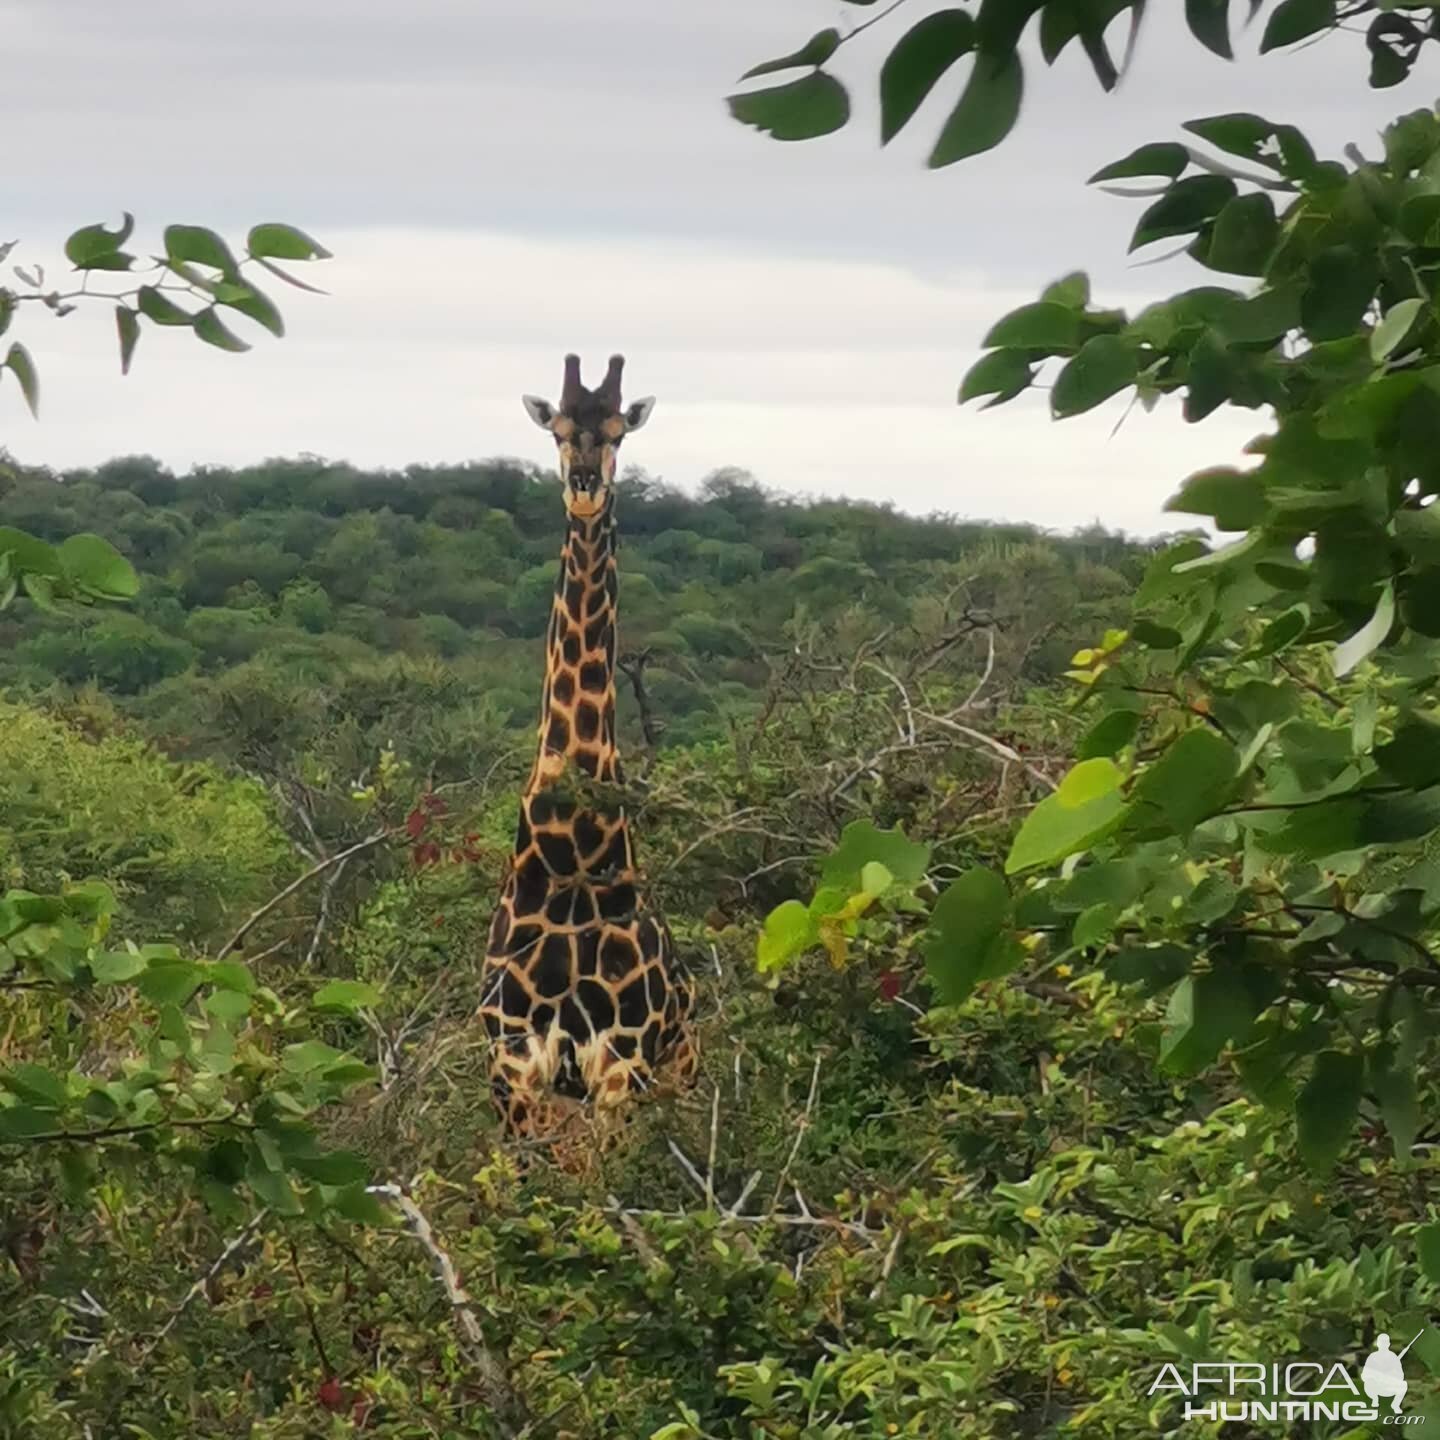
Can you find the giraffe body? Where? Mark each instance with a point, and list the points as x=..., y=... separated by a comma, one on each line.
x=584, y=999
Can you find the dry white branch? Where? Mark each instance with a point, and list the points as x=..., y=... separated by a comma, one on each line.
x=714, y=1139
x=687, y=1165
x=998, y=746
x=891, y=1255
x=294, y=885
x=492, y=1371
x=800, y=1130
x=984, y=680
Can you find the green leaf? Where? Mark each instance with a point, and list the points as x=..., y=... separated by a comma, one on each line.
x=1295, y=20
x=169, y=982
x=860, y=843
x=1413, y=756
x=1326, y=1109
x=1341, y=286
x=111, y=967
x=1266, y=316
x=1109, y=735
x=96, y=248
x=352, y=1203
x=1427, y=1251
x=1086, y=808
x=20, y=1122
x=920, y=57
x=335, y=1167
x=284, y=242
x=93, y=564
x=1393, y=1085
x=1105, y=365
x=29, y=555
x=1168, y=159
x=155, y=305
x=1245, y=233
x=258, y=307
x=36, y=1084
x=211, y=329
x=969, y=939
x=1394, y=819
x=1397, y=323
x=1209, y=22
x=308, y=1055
x=986, y=112
x=1184, y=208
x=1043, y=325
x=227, y=1004
x=127, y=327
x=231, y=975
x=1234, y=498
x=1369, y=637
x=815, y=51
x=193, y=244
x=803, y=109
x=1204, y=1014
x=346, y=995
x=789, y=929
x=1002, y=373
x=1284, y=630
x=19, y=363
x=875, y=879
x=270, y=1185
x=1186, y=785
x=1277, y=147
x=1093, y=925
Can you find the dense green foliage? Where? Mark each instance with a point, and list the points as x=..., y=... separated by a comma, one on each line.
x=1064, y=912
x=299, y=600
x=989, y=35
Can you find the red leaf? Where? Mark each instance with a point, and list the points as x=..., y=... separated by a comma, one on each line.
x=426, y=853
x=414, y=824
x=889, y=983
x=332, y=1395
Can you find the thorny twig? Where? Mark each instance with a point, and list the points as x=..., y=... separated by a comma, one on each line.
x=800, y=1130
x=235, y=1246
x=492, y=1370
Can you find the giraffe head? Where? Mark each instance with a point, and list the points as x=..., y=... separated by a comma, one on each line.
x=588, y=426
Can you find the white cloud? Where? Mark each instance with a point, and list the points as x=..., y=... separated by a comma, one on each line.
x=834, y=377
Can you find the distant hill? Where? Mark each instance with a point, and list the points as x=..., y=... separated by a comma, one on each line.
x=285, y=595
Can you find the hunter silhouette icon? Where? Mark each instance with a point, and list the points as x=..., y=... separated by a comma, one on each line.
x=1383, y=1374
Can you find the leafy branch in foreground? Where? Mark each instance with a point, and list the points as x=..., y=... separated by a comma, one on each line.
x=200, y=1088
x=197, y=265
x=989, y=35
x=1251, y=828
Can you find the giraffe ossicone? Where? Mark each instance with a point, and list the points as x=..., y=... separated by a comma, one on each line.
x=585, y=1000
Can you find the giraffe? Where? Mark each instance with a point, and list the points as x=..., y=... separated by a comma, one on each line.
x=585, y=1001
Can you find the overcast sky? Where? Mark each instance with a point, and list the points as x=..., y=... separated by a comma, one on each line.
x=505, y=180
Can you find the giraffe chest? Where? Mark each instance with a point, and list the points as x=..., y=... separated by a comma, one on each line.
x=586, y=965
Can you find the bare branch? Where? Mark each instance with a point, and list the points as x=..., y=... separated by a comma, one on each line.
x=290, y=889
x=492, y=1370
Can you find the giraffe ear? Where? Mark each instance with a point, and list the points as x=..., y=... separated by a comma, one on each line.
x=638, y=413
x=542, y=412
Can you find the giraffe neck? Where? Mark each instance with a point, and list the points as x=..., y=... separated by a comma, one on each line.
x=577, y=712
